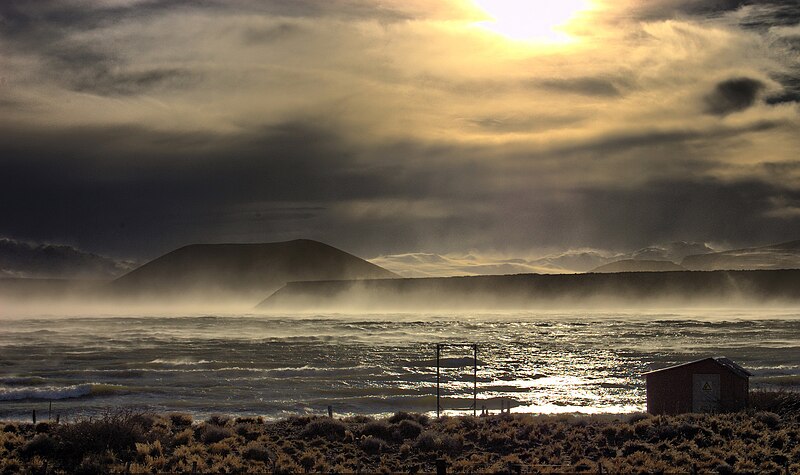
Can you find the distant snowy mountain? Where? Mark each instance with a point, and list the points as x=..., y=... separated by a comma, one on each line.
x=19, y=259
x=776, y=256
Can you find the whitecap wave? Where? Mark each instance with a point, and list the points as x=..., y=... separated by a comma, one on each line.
x=58, y=392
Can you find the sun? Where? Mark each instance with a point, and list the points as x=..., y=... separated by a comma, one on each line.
x=531, y=20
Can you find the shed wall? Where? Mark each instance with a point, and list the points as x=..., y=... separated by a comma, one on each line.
x=670, y=391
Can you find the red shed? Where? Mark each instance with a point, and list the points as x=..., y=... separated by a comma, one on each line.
x=707, y=385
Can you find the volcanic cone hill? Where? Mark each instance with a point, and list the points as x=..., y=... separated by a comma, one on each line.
x=206, y=271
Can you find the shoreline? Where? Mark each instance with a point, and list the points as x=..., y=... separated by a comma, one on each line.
x=753, y=441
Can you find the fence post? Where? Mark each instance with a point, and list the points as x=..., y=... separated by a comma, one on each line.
x=441, y=467
x=33, y=416
x=330, y=412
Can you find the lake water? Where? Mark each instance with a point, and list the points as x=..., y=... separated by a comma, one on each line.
x=373, y=364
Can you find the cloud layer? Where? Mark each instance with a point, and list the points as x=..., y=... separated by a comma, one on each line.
x=131, y=127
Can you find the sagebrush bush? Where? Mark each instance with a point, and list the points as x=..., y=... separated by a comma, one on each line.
x=379, y=429
x=408, y=429
x=372, y=445
x=745, y=442
x=180, y=420
x=115, y=432
x=325, y=427
x=212, y=433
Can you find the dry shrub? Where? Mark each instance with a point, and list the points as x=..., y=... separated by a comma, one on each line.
x=782, y=402
x=372, y=445
x=258, y=452
x=426, y=442
x=218, y=420
x=422, y=419
x=219, y=448
x=769, y=419
x=42, y=427
x=212, y=433
x=379, y=429
x=408, y=429
x=325, y=427
x=184, y=437
x=285, y=465
x=180, y=419
x=118, y=432
x=42, y=445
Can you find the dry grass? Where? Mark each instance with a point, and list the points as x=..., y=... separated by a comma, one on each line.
x=758, y=441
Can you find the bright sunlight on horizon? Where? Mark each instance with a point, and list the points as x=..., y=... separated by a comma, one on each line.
x=533, y=21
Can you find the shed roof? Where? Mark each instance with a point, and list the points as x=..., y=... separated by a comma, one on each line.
x=720, y=360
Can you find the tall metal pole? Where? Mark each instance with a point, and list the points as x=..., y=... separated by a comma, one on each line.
x=438, y=378
x=475, y=381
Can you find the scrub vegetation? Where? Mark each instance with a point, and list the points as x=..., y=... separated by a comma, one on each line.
x=764, y=439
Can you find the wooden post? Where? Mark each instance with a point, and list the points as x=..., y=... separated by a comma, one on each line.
x=50, y=412
x=441, y=467
x=330, y=411
x=33, y=416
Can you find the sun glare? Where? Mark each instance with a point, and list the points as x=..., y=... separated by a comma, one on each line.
x=531, y=20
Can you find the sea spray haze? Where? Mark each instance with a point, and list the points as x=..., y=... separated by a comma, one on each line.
x=272, y=366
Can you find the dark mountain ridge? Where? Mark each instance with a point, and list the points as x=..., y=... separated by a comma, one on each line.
x=544, y=290
x=241, y=270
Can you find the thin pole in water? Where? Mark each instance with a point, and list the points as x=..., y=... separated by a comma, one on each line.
x=475, y=381
x=438, y=380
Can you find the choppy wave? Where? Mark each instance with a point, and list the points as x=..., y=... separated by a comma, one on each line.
x=269, y=366
x=59, y=392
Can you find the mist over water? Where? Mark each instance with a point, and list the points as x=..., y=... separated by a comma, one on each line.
x=276, y=365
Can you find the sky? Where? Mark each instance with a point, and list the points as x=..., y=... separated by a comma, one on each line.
x=131, y=127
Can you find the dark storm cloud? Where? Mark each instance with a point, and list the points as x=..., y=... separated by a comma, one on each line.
x=701, y=210
x=137, y=193
x=134, y=185
x=509, y=124
x=590, y=86
x=269, y=34
x=764, y=13
x=376, y=144
x=45, y=29
x=733, y=95
x=655, y=139
x=103, y=80
x=791, y=89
